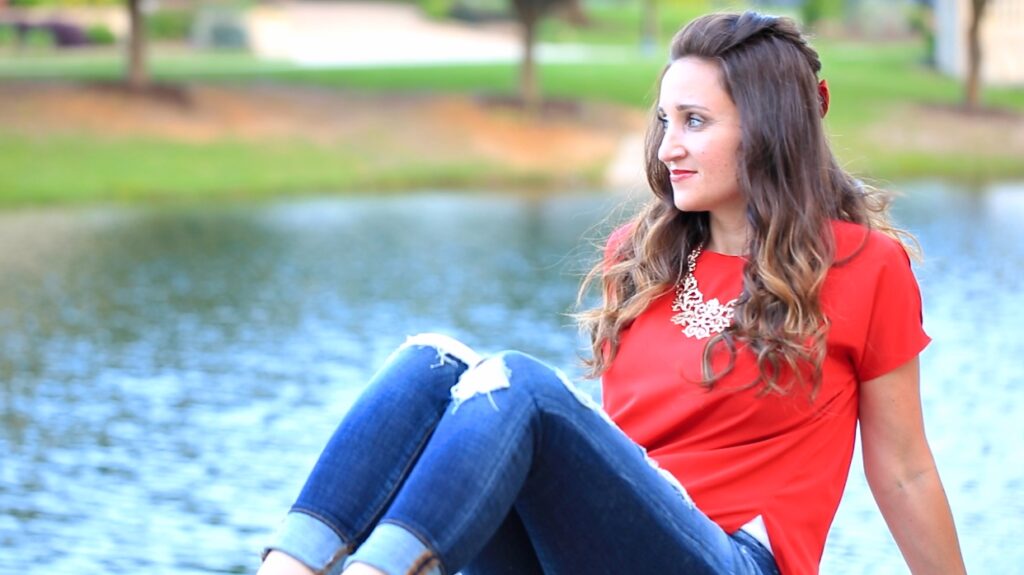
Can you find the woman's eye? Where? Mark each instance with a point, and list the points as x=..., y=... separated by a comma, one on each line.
x=691, y=122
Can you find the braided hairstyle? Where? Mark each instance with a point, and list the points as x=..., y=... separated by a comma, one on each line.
x=793, y=187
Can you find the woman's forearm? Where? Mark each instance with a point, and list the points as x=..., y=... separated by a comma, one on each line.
x=918, y=515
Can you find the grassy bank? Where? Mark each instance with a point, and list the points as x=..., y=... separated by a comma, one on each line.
x=78, y=169
x=82, y=168
x=891, y=119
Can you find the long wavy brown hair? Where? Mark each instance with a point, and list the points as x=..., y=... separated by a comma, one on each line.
x=793, y=186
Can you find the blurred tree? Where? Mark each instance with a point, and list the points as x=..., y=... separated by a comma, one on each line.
x=529, y=14
x=972, y=89
x=137, y=73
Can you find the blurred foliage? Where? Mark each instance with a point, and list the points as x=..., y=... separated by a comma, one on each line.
x=170, y=24
x=100, y=35
x=814, y=11
x=864, y=76
x=39, y=39
x=437, y=9
x=71, y=3
x=8, y=37
x=220, y=27
x=922, y=23
x=473, y=10
x=620, y=22
x=43, y=35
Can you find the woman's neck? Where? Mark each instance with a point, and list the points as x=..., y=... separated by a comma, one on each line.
x=729, y=235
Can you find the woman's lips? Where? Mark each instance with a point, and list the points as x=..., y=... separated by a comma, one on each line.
x=680, y=175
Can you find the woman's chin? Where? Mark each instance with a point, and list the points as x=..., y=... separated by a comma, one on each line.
x=684, y=204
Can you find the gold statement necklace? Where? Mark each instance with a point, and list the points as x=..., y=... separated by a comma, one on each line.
x=699, y=318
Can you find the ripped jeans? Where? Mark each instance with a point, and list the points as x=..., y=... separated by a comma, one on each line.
x=451, y=462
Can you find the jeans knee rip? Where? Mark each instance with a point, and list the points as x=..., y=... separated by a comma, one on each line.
x=481, y=379
x=449, y=349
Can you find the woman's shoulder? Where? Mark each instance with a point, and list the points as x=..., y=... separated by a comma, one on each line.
x=616, y=239
x=620, y=233
x=858, y=244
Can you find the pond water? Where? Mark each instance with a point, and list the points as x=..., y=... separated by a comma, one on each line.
x=169, y=374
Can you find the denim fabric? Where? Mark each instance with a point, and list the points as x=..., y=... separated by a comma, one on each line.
x=449, y=463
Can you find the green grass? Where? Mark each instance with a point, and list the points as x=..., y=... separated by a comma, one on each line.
x=861, y=75
x=869, y=82
x=82, y=168
x=108, y=64
x=629, y=82
x=957, y=167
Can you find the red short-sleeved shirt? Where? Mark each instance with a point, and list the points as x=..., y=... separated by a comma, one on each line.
x=783, y=458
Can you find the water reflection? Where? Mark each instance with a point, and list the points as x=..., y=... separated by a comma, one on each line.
x=169, y=374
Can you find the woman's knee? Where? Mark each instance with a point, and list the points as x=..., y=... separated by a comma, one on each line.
x=515, y=371
x=447, y=348
x=527, y=370
x=426, y=362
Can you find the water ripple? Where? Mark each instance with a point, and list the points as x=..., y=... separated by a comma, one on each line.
x=170, y=374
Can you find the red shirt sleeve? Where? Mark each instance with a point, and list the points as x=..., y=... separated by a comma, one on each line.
x=894, y=334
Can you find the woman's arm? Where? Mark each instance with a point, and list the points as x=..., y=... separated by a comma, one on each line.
x=901, y=472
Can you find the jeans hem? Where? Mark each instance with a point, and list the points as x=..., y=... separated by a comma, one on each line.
x=396, y=549
x=311, y=541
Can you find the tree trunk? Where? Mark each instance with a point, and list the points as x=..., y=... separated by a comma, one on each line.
x=972, y=92
x=528, y=89
x=138, y=78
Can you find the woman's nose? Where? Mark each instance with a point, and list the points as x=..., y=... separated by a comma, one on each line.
x=671, y=148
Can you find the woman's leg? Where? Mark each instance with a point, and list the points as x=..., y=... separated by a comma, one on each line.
x=508, y=552
x=522, y=441
x=370, y=454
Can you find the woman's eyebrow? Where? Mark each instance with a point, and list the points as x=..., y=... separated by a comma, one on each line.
x=684, y=106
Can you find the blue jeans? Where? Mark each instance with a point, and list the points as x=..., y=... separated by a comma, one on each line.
x=451, y=462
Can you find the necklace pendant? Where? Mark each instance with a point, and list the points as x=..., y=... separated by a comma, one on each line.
x=699, y=319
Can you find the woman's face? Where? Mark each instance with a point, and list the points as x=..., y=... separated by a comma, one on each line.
x=702, y=138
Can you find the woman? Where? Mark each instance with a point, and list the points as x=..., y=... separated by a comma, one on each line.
x=754, y=312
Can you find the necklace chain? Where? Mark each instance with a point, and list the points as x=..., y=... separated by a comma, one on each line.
x=698, y=318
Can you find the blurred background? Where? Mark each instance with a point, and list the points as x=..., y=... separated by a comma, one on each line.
x=217, y=217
